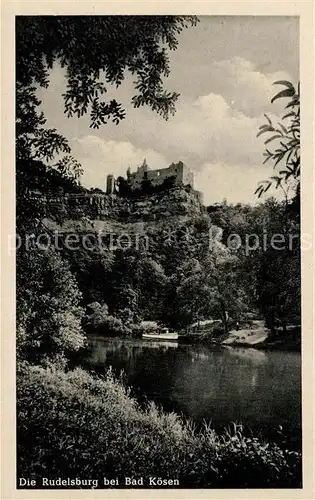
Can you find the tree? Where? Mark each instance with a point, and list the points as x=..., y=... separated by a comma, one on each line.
x=191, y=292
x=123, y=187
x=286, y=136
x=147, y=187
x=280, y=289
x=267, y=271
x=96, y=52
x=91, y=269
x=169, y=183
x=228, y=297
x=279, y=280
x=48, y=307
x=151, y=288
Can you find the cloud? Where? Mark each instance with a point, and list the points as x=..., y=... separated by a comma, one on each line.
x=218, y=126
x=213, y=133
x=216, y=180
x=236, y=183
x=100, y=158
x=244, y=86
x=204, y=130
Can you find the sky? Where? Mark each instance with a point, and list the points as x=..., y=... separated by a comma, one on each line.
x=224, y=69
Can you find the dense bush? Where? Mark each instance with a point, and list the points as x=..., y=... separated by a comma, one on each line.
x=76, y=425
x=48, y=307
x=97, y=320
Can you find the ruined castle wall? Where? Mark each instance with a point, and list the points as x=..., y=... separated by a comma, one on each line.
x=187, y=176
x=181, y=172
x=157, y=177
x=135, y=179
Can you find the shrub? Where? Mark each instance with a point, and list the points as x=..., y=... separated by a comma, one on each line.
x=95, y=317
x=48, y=311
x=76, y=425
x=99, y=321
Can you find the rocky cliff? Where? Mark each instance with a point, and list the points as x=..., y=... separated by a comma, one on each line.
x=99, y=211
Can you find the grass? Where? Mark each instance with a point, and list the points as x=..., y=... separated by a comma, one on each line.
x=74, y=424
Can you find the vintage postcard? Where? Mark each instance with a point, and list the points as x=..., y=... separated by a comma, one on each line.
x=157, y=213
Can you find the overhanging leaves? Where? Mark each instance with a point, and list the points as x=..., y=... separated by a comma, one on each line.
x=287, y=150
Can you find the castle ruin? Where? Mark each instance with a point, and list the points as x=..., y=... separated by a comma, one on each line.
x=179, y=172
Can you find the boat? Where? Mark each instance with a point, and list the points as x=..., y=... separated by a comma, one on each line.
x=163, y=334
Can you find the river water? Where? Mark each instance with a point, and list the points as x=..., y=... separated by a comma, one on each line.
x=261, y=389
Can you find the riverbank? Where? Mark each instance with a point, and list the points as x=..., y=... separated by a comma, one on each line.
x=255, y=336
x=251, y=334
x=100, y=430
x=262, y=338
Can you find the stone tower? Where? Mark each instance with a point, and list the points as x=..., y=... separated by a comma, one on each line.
x=110, y=184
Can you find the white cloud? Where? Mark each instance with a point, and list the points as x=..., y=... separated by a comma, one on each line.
x=219, y=126
x=236, y=183
x=100, y=158
x=212, y=105
x=214, y=134
x=203, y=130
x=244, y=86
x=216, y=180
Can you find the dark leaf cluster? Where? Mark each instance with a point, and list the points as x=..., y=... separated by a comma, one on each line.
x=96, y=52
x=286, y=136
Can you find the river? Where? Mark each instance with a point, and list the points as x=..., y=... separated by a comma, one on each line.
x=261, y=389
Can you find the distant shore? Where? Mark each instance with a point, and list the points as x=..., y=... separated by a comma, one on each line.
x=257, y=337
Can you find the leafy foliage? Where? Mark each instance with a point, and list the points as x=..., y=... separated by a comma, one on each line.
x=97, y=320
x=48, y=307
x=286, y=154
x=176, y=281
x=270, y=273
x=102, y=428
x=96, y=52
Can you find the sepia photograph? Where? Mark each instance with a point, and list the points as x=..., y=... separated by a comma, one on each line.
x=158, y=252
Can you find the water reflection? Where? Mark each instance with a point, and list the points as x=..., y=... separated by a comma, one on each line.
x=248, y=354
x=259, y=388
